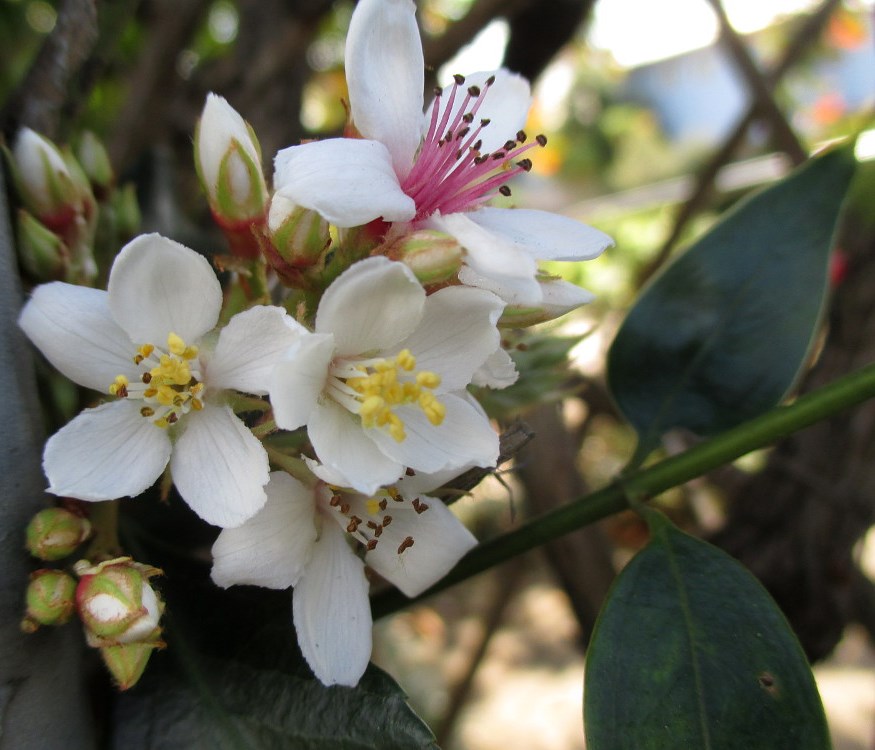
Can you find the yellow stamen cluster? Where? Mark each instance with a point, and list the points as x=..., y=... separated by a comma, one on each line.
x=383, y=386
x=168, y=387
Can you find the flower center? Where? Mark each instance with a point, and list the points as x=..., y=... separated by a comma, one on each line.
x=373, y=388
x=451, y=174
x=168, y=385
x=377, y=511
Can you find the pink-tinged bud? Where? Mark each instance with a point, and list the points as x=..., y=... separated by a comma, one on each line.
x=433, y=256
x=301, y=237
x=127, y=662
x=43, y=180
x=228, y=161
x=54, y=533
x=51, y=599
x=116, y=603
x=44, y=256
x=95, y=163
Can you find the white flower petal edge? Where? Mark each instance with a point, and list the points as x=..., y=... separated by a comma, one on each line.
x=332, y=613
x=348, y=182
x=249, y=347
x=372, y=305
x=297, y=383
x=219, y=467
x=543, y=235
x=499, y=371
x=104, y=453
x=560, y=297
x=385, y=76
x=157, y=286
x=271, y=548
x=220, y=125
x=440, y=540
x=73, y=327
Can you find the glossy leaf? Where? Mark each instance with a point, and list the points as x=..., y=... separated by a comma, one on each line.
x=720, y=335
x=691, y=652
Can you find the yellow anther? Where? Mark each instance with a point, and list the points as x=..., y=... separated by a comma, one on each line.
x=373, y=506
x=406, y=360
x=150, y=393
x=147, y=411
x=163, y=423
x=197, y=404
x=428, y=379
x=145, y=350
x=175, y=344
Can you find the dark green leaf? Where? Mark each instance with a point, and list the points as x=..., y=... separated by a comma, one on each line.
x=721, y=334
x=691, y=652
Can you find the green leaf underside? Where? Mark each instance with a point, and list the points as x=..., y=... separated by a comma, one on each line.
x=691, y=652
x=720, y=335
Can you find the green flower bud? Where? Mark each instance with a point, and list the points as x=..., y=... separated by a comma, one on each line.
x=44, y=256
x=116, y=602
x=93, y=157
x=433, y=256
x=51, y=599
x=127, y=662
x=300, y=236
x=54, y=533
x=127, y=210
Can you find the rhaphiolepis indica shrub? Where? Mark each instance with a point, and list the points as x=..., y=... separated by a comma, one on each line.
x=314, y=406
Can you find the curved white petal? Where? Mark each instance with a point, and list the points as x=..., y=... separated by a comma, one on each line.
x=332, y=612
x=348, y=449
x=464, y=438
x=249, y=347
x=541, y=234
x=514, y=290
x=439, y=540
x=560, y=297
x=296, y=384
x=371, y=306
x=157, y=286
x=506, y=106
x=385, y=76
x=457, y=334
x=220, y=125
x=106, y=452
x=271, y=548
x=499, y=371
x=219, y=467
x=73, y=327
x=348, y=181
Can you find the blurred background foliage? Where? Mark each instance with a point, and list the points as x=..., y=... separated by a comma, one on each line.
x=646, y=142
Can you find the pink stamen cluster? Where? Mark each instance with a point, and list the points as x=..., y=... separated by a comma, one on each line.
x=451, y=174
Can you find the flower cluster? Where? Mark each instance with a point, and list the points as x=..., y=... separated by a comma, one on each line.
x=401, y=274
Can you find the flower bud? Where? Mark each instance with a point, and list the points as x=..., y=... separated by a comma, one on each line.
x=116, y=602
x=43, y=179
x=44, y=256
x=94, y=159
x=558, y=297
x=50, y=597
x=433, y=256
x=54, y=533
x=300, y=236
x=127, y=661
x=228, y=161
x=127, y=210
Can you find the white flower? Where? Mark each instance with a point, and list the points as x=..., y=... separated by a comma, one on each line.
x=381, y=383
x=438, y=170
x=410, y=539
x=140, y=342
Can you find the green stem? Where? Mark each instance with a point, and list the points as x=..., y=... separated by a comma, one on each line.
x=105, y=543
x=648, y=482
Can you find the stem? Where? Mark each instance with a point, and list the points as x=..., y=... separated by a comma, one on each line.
x=105, y=544
x=646, y=483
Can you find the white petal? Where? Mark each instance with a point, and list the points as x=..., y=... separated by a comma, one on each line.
x=496, y=263
x=249, y=347
x=157, y=286
x=385, y=76
x=107, y=452
x=219, y=126
x=371, y=306
x=464, y=438
x=541, y=234
x=506, y=106
x=332, y=612
x=348, y=181
x=499, y=371
x=346, y=448
x=271, y=548
x=439, y=540
x=297, y=383
x=72, y=326
x=560, y=297
x=219, y=467
x=457, y=334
